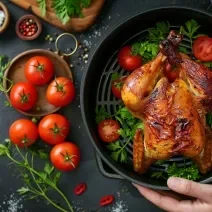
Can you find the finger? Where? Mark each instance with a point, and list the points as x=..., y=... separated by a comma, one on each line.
x=164, y=202
x=170, y=194
x=190, y=188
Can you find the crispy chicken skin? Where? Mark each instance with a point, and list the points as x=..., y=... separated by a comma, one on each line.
x=173, y=113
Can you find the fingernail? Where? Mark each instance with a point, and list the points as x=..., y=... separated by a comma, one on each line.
x=173, y=182
x=135, y=185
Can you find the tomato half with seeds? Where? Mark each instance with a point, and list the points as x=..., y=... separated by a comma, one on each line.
x=61, y=92
x=108, y=130
x=54, y=128
x=65, y=156
x=39, y=70
x=202, y=48
x=23, y=96
x=117, y=86
x=23, y=133
x=127, y=60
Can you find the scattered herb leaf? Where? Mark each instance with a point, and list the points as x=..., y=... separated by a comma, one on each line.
x=184, y=50
x=209, y=64
x=7, y=104
x=115, y=76
x=101, y=114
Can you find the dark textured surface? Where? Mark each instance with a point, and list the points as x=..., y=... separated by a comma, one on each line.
x=113, y=12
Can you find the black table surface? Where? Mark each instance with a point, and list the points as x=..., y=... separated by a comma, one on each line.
x=98, y=185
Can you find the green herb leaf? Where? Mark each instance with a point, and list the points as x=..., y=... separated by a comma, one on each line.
x=66, y=9
x=48, y=168
x=158, y=175
x=101, y=114
x=159, y=32
x=56, y=177
x=115, y=76
x=23, y=190
x=183, y=50
x=190, y=30
x=42, y=7
x=190, y=172
x=3, y=149
x=208, y=64
x=147, y=50
x=114, y=146
x=160, y=162
x=7, y=104
x=123, y=156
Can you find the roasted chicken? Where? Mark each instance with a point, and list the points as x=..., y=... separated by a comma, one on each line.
x=173, y=113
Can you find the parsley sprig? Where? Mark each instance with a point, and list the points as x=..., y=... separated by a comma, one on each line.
x=65, y=9
x=188, y=172
x=37, y=182
x=190, y=30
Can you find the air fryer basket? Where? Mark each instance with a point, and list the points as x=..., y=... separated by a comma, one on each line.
x=96, y=83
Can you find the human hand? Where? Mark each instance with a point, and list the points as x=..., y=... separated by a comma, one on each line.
x=202, y=194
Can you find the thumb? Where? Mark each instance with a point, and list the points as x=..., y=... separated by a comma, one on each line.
x=190, y=188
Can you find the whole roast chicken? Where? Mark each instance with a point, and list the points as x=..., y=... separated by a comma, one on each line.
x=173, y=113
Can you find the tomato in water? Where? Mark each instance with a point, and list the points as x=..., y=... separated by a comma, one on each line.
x=65, y=156
x=108, y=130
x=127, y=60
x=61, y=92
x=202, y=48
x=23, y=133
x=39, y=70
x=117, y=86
x=54, y=128
x=23, y=96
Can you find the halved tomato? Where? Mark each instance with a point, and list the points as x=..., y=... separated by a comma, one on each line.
x=202, y=48
x=108, y=130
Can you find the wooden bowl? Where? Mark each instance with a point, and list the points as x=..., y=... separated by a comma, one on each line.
x=15, y=72
x=7, y=18
x=36, y=20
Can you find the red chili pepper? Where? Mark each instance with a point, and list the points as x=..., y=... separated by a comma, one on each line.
x=106, y=200
x=80, y=188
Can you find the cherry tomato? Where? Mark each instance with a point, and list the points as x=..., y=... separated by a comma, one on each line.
x=80, y=189
x=202, y=48
x=106, y=200
x=65, y=156
x=23, y=132
x=61, y=92
x=53, y=128
x=39, y=70
x=116, y=87
x=23, y=96
x=127, y=60
x=108, y=130
x=171, y=72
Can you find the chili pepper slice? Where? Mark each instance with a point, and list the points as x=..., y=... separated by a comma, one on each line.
x=80, y=188
x=106, y=200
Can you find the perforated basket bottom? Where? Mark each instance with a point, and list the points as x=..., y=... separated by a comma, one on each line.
x=106, y=99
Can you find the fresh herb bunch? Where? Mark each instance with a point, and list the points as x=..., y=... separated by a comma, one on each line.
x=65, y=9
x=190, y=172
x=149, y=48
x=128, y=123
x=37, y=183
x=4, y=64
x=190, y=30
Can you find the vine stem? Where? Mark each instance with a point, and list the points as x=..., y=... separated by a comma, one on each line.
x=45, y=180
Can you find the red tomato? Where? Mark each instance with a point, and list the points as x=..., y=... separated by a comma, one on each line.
x=53, y=128
x=172, y=73
x=108, y=130
x=61, y=92
x=39, y=70
x=202, y=48
x=116, y=87
x=23, y=132
x=65, y=156
x=23, y=96
x=127, y=60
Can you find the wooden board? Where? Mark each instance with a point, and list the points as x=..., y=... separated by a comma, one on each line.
x=75, y=24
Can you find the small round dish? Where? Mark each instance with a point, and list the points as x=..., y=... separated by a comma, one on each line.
x=15, y=73
x=6, y=20
x=28, y=27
